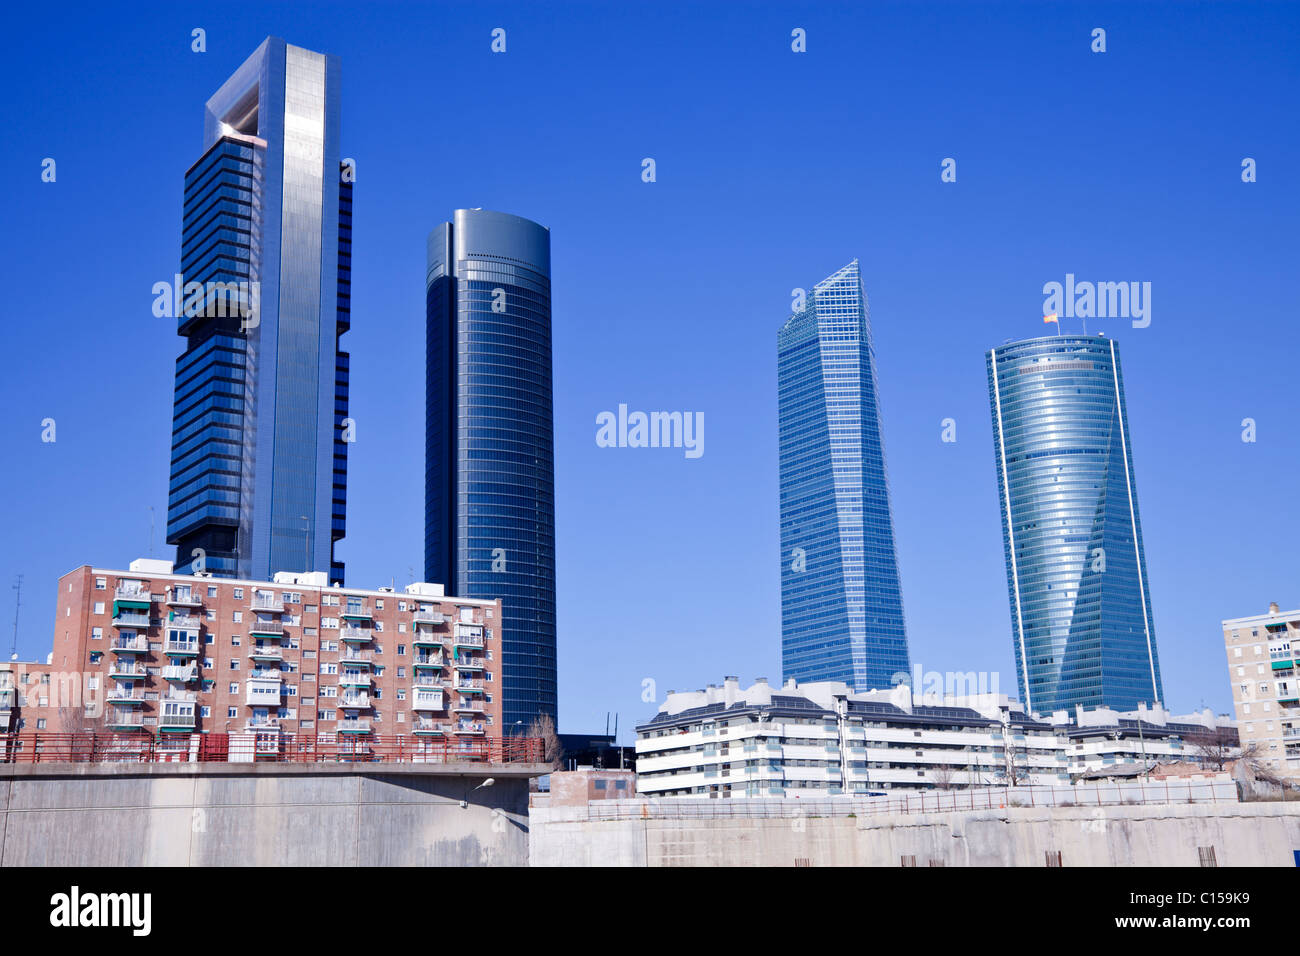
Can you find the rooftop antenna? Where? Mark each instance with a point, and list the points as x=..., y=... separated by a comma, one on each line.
x=18, y=603
x=151, y=531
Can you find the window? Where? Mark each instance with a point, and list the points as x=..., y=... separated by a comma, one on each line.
x=205, y=711
x=100, y=584
x=96, y=633
x=99, y=607
x=212, y=591
x=232, y=711
x=234, y=664
x=40, y=723
x=401, y=693
x=234, y=640
x=239, y=617
x=239, y=594
x=401, y=650
x=234, y=687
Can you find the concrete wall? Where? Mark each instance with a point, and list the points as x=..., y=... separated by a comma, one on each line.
x=260, y=815
x=1258, y=834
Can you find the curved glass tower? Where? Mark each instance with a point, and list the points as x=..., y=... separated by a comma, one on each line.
x=1076, y=570
x=841, y=601
x=489, y=522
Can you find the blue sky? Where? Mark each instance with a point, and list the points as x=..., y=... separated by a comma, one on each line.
x=773, y=170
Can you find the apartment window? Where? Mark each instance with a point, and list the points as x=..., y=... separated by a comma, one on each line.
x=96, y=656
x=234, y=640
x=210, y=614
x=207, y=663
x=212, y=590
x=309, y=609
x=205, y=711
x=40, y=723
x=100, y=584
x=401, y=650
x=379, y=604
x=96, y=633
x=401, y=716
x=99, y=607
x=232, y=711
x=239, y=594
x=234, y=664
x=401, y=605
x=401, y=672
x=325, y=715
x=401, y=693
x=238, y=617
x=234, y=687
x=1236, y=652
x=330, y=622
x=401, y=628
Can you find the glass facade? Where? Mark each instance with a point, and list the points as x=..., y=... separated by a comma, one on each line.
x=841, y=599
x=259, y=461
x=1076, y=571
x=489, y=451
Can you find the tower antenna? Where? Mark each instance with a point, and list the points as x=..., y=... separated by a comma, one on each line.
x=18, y=603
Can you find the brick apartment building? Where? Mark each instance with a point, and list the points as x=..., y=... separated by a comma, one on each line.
x=174, y=654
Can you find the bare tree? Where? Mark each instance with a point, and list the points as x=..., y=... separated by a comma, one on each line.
x=1214, y=748
x=543, y=728
x=75, y=720
x=943, y=776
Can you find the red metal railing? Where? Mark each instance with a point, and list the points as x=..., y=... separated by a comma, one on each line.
x=271, y=747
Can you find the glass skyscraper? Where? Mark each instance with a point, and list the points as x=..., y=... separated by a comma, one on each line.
x=258, y=455
x=841, y=600
x=1081, y=620
x=490, y=450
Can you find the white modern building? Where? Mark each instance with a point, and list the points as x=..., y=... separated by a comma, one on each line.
x=822, y=739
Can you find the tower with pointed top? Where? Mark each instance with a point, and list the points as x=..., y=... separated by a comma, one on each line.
x=841, y=598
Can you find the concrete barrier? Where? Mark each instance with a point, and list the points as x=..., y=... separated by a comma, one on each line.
x=1250, y=834
x=263, y=815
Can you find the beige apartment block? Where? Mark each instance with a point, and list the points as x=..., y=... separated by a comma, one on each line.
x=1261, y=666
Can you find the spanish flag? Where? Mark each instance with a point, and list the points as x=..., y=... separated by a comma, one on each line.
x=1052, y=318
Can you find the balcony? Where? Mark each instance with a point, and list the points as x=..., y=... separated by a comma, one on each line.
x=185, y=696
x=469, y=685
x=261, y=722
x=467, y=706
x=357, y=699
x=427, y=699
x=181, y=673
x=130, y=645
x=178, y=720
x=427, y=639
x=357, y=635
x=427, y=661
x=470, y=727
x=269, y=628
x=354, y=679
x=125, y=695
x=124, y=720
x=427, y=680
x=355, y=725
x=469, y=664
x=266, y=652
x=188, y=648
x=130, y=619
x=430, y=618
x=354, y=655
x=428, y=727
x=262, y=693
x=356, y=612
x=267, y=602
x=131, y=597
x=184, y=622
x=265, y=673
x=127, y=669
x=183, y=597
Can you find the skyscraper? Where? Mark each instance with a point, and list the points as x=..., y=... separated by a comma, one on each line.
x=1076, y=570
x=489, y=521
x=841, y=601
x=259, y=460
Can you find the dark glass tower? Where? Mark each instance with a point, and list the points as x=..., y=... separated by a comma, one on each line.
x=259, y=461
x=489, y=520
x=841, y=601
x=1081, y=622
